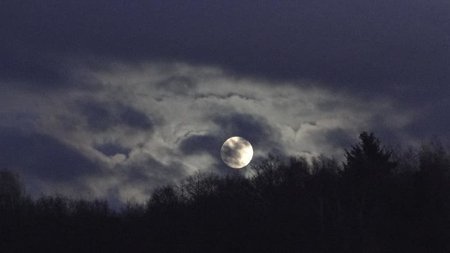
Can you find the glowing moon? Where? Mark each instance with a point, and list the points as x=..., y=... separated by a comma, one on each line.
x=236, y=152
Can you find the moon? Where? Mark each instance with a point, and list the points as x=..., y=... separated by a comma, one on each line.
x=236, y=152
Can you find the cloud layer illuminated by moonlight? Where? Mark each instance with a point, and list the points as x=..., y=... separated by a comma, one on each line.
x=139, y=127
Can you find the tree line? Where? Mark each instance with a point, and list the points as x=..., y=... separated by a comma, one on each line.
x=377, y=200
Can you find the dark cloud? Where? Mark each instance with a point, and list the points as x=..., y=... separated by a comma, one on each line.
x=252, y=128
x=363, y=46
x=196, y=144
x=31, y=71
x=42, y=156
x=134, y=118
x=111, y=149
x=98, y=116
x=103, y=116
x=432, y=123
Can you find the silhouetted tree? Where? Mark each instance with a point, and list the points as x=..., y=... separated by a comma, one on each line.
x=432, y=204
x=366, y=173
x=10, y=188
x=368, y=159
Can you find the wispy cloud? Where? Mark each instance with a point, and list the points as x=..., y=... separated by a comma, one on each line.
x=153, y=124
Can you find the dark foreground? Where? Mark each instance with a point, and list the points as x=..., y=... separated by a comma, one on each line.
x=372, y=203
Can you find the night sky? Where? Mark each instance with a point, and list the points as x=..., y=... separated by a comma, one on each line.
x=111, y=99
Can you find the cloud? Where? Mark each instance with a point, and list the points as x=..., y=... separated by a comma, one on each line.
x=101, y=117
x=111, y=149
x=154, y=124
x=178, y=84
x=201, y=143
x=253, y=128
x=135, y=179
x=43, y=157
x=20, y=70
x=358, y=46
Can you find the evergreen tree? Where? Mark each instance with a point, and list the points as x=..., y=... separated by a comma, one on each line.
x=366, y=188
x=368, y=158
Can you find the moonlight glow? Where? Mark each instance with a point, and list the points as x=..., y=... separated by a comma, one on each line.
x=236, y=152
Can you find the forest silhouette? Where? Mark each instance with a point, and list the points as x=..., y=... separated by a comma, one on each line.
x=377, y=200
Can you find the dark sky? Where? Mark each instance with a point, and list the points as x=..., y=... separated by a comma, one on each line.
x=112, y=98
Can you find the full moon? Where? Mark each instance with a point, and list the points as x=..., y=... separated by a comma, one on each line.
x=236, y=152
